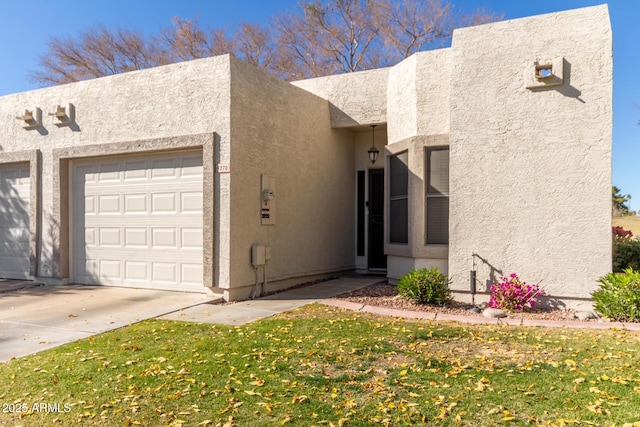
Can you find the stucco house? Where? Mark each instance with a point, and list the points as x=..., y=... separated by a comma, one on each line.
x=212, y=175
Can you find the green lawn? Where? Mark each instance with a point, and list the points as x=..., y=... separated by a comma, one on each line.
x=329, y=367
x=628, y=223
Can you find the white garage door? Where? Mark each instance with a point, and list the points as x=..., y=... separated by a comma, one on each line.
x=137, y=221
x=14, y=221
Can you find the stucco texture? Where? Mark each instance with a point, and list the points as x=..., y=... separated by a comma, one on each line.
x=282, y=131
x=418, y=96
x=418, y=118
x=132, y=112
x=529, y=166
x=354, y=98
x=531, y=169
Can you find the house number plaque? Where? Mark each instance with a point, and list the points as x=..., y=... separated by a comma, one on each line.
x=223, y=168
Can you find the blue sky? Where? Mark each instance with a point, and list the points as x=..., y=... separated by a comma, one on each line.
x=25, y=27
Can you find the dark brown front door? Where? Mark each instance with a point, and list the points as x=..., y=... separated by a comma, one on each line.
x=376, y=258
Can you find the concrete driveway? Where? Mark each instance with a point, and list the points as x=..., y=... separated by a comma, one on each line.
x=33, y=319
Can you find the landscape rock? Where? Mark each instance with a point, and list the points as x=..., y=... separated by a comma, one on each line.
x=494, y=313
x=586, y=315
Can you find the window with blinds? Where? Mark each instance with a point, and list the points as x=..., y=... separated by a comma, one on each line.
x=437, y=196
x=399, y=198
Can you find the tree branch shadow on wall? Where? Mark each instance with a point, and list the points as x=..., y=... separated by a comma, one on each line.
x=493, y=272
x=15, y=236
x=50, y=255
x=545, y=301
x=551, y=302
x=14, y=226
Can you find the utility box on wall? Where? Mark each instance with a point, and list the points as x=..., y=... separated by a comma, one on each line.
x=258, y=255
x=268, y=200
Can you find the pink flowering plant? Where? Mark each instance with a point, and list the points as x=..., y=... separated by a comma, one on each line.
x=620, y=235
x=512, y=294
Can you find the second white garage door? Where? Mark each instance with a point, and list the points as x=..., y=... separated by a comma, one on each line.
x=15, y=188
x=137, y=221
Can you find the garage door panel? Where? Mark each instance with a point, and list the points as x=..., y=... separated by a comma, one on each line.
x=163, y=169
x=19, y=268
x=135, y=170
x=136, y=203
x=86, y=271
x=191, y=238
x=142, y=221
x=136, y=270
x=15, y=193
x=110, y=269
x=164, y=272
x=9, y=249
x=108, y=204
x=191, y=167
x=163, y=238
x=109, y=237
x=191, y=273
x=84, y=174
x=191, y=202
x=14, y=220
x=89, y=237
x=149, y=254
x=136, y=237
x=89, y=205
x=151, y=220
x=14, y=176
x=162, y=203
x=109, y=172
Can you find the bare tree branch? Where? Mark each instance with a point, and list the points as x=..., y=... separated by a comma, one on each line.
x=324, y=37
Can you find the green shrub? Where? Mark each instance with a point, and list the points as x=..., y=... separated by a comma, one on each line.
x=425, y=286
x=618, y=297
x=626, y=254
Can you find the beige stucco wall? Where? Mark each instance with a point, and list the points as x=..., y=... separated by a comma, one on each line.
x=531, y=169
x=155, y=109
x=418, y=96
x=354, y=98
x=412, y=99
x=418, y=117
x=285, y=132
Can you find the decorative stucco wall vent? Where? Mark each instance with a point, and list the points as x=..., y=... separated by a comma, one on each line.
x=32, y=118
x=64, y=116
x=545, y=73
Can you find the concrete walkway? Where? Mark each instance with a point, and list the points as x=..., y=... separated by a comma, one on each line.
x=243, y=312
x=35, y=317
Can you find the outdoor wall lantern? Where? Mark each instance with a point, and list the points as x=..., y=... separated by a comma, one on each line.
x=31, y=118
x=373, y=151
